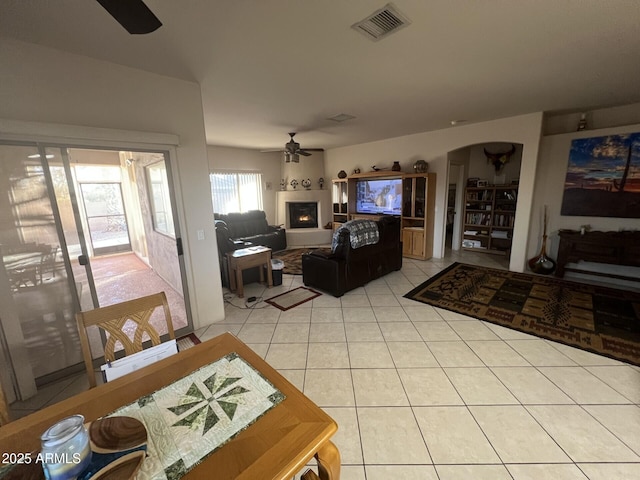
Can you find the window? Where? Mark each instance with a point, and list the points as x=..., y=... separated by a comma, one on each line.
x=160, y=199
x=236, y=192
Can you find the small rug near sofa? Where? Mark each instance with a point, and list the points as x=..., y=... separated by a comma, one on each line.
x=293, y=259
x=598, y=319
x=293, y=298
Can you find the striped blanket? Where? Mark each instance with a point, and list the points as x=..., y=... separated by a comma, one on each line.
x=361, y=233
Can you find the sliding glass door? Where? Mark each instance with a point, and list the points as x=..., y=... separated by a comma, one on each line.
x=36, y=286
x=67, y=215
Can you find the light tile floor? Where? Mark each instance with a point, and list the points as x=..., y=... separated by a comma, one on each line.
x=423, y=393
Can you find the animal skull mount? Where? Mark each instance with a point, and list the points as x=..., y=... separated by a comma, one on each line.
x=498, y=160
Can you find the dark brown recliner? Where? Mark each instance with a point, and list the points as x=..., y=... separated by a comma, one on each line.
x=237, y=230
x=347, y=268
x=251, y=227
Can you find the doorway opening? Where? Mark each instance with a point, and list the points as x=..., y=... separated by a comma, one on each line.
x=473, y=224
x=105, y=216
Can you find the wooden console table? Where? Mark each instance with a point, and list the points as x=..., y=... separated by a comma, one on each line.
x=615, y=248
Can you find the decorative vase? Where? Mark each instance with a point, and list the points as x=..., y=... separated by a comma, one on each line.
x=420, y=166
x=342, y=174
x=306, y=184
x=541, y=263
x=396, y=167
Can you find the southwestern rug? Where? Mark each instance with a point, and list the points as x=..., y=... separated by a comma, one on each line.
x=594, y=318
x=287, y=300
x=292, y=259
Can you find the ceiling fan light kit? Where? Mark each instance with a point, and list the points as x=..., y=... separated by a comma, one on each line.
x=291, y=157
x=292, y=150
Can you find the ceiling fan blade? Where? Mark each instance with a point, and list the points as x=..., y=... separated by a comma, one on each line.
x=303, y=152
x=133, y=15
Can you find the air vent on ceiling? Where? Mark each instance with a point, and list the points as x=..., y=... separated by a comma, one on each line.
x=341, y=117
x=381, y=23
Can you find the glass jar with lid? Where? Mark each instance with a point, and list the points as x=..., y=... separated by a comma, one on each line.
x=66, y=451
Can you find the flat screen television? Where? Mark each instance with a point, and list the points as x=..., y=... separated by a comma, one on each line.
x=379, y=196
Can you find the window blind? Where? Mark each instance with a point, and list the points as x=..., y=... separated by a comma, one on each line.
x=236, y=191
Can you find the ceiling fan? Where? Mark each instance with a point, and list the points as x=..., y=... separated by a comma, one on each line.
x=133, y=15
x=292, y=150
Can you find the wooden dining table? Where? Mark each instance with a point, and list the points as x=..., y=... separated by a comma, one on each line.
x=276, y=446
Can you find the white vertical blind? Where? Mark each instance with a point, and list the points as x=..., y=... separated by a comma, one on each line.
x=236, y=192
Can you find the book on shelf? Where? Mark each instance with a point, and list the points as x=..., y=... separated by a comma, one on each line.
x=478, y=218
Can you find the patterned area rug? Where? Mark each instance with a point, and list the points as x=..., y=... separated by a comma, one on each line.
x=598, y=319
x=293, y=259
x=292, y=298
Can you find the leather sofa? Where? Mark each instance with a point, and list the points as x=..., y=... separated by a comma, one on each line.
x=236, y=230
x=346, y=268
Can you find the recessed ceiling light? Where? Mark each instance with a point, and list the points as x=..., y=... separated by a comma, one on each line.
x=37, y=155
x=341, y=117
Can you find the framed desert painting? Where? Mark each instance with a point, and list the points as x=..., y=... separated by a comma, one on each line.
x=603, y=177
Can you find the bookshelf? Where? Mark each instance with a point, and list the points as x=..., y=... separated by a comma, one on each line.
x=489, y=217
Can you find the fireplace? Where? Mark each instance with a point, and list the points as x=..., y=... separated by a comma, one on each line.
x=303, y=214
x=307, y=236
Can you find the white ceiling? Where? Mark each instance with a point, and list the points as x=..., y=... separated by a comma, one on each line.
x=267, y=67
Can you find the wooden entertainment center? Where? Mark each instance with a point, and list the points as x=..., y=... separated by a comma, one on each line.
x=417, y=209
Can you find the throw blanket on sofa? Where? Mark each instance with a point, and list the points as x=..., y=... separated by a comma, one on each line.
x=361, y=233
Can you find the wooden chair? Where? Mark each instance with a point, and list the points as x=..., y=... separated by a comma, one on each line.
x=113, y=318
x=309, y=475
x=48, y=263
x=5, y=417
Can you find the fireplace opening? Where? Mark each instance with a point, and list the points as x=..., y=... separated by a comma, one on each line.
x=303, y=215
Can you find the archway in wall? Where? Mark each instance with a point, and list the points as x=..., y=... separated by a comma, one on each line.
x=481, y=198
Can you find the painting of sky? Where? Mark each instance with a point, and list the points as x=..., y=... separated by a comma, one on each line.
x=601, y=163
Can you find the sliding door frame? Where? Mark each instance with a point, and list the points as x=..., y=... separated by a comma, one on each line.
x=65, y=137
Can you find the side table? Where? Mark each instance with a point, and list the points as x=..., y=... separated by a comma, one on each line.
x=244, y=258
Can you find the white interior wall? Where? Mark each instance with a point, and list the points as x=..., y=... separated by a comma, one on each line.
x=434, y=147
x=309, y=168
x=550, y=178
x=619, y=116
x=481, y=168
x=63, y=91
x=244, y=159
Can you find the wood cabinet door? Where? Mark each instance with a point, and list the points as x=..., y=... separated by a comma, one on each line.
x=407, y=242
x=417, y=241
x=413, y=242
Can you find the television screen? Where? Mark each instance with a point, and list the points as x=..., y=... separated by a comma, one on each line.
x=379, y=196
